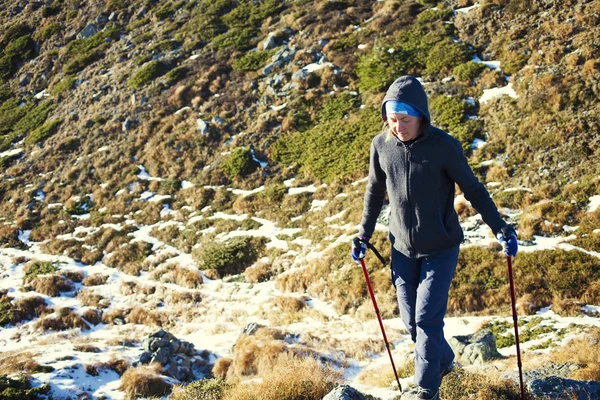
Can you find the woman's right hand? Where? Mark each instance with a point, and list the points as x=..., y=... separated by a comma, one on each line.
x=359, y=248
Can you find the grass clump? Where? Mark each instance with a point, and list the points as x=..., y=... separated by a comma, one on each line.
x=238, y=164
x=144, y=381
x=230, y=257
x=145, y=74
x=22, y=309
x=461, y=384
x=17, y=46
x=253, y=60
x=336, y=107
x=67, y=83
x=19, y=388
x=331, y=150
x=40, y=268
x=176, y=74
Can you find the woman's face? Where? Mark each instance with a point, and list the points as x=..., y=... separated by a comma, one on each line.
x=404, y=127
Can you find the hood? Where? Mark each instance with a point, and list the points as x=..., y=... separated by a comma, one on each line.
x=409, y=90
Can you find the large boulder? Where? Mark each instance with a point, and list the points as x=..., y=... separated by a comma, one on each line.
x=88, y=31
x=477, y=348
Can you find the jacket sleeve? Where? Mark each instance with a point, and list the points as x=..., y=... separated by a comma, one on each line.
x=374, y=194
x=460, y=172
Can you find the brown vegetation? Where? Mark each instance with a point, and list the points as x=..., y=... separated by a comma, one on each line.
x=95, y=280
x=65, y=319
x=173, y=273
x=144, y=381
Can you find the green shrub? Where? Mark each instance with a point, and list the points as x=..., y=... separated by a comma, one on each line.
x=35, y=117
x=163, y=12
x=14, y=32
x=40, y=268
x=275, y=192
x=449, y=113
x=166, y=45
x=377, y=70
x=21, y=48
x=468, y=71
x=439, y=15
x=239, y=163
x=145, y=74
x=7, y=67
x=206, y=389
x=84, y=46
x=230, y=257
x=334, y=108
x=19, y=388
x=67, y=83
x=51, y=10
x=331, y=150
x=43, y=132
x=445, y=55
x=78, y=63
x=177, y=74
x=49, y=30
x=253, y=60
x=345, y=42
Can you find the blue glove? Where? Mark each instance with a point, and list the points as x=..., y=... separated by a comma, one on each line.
x=359, y=248
x=507, y=237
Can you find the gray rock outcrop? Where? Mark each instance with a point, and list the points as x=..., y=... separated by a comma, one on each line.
x=477, y=348
x=344, y=392
x=88, y=31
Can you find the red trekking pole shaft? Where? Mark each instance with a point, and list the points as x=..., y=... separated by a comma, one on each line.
x=387, y=345
x=514, y=313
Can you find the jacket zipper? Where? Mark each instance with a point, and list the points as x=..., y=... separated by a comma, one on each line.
x=410, y=225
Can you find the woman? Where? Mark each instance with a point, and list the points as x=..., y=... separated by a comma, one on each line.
x=418, y=165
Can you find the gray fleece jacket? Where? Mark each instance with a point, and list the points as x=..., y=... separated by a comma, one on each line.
x=419, y=179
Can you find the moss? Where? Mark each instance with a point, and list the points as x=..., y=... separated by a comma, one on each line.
x=253, y=60
x=43, y=132
x=331, y=150
x=145, y=74
x=230, y=257
x=238, y=164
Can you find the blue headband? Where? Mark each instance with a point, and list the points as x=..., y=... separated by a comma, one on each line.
x=399, y=107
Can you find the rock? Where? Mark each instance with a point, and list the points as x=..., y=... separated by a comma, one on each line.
x=269, y=67
x=88, y=31
x=477, y=348
x=142, y=12
x=251, y=328
x=25, y=78
x=145, y=357
x=126, y=125
x=113, y=16
x=323, y=42
x=201, y=126
x=556, y=388
x=101, y=20
x=269, y=42
x=162, y=356
x=218, y=121
x=344, y=392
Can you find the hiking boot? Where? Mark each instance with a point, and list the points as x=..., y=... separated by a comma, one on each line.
x=418, y=393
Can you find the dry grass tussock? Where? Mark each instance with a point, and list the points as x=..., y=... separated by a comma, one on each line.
x=89, y=298
x=256, y=354
x=291, y=378
x=64, y=319
x=21, y=363
x=173, y=273
x=383, y=375
x=144, y=381
x=95, y=280
x=50, y=285
x=462, y=385
x=583, y=351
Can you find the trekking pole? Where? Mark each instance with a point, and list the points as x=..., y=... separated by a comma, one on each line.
x=514, y=313
x=372, y=294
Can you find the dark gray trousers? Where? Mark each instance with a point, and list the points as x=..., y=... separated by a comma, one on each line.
x=422, y=287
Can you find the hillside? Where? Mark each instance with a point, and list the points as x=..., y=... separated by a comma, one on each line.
x=199, y=166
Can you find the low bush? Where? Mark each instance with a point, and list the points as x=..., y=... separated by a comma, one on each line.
x=238, y=164
x=468, y=71
x=176, y=74
x=253, y=60
x=145, y=74
x=19, y=388
x=85, y=46
x=230, y=257
x=39, y=268
x=66, y=84
x=335, y=108
x=26, y=308
x=129, y=258
x=43, y=132
x=331, y=151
